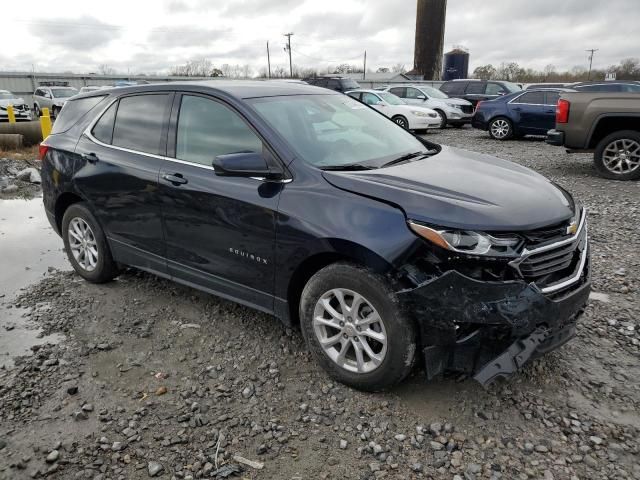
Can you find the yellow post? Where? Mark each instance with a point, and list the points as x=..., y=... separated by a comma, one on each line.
x=11, y=114
x=45, y=123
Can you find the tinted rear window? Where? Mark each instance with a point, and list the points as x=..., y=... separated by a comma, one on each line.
x=139, y=123
x=454, y=88
x=73, y=111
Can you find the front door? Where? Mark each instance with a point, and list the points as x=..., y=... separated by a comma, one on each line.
x=219, y=231
x=122, y=156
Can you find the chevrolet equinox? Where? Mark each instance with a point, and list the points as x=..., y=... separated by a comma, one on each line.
x=312, y=207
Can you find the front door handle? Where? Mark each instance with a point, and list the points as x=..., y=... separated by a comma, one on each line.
x=175, y=179
x=90, y=157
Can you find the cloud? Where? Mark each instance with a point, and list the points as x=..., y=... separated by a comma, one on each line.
x=184, y=36
x=76, y=34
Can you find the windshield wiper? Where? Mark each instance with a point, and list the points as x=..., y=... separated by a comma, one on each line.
x=408, y=156
x=348, y=166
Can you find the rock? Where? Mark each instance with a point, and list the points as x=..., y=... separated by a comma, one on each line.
x=161, y=391
x=185, y=326
x=117, y=446
x=248, y=391
x=53, y=456
x=154, y=468
x=29, y=175
x=541, y=448
x=436, y=445
x=592, y=462
x=416, y=467
x=3, y=443
x=400, y=437
x=343, y=444
x=595, y=440
x=374, y=466
x=435, y=428
x=80, y=415
x=72, y=390
x=87, y=407
x=332, y=461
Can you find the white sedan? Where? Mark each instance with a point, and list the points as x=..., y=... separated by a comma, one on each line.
x=410, y=117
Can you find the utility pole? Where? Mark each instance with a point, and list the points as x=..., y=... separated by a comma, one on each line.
x=268, y=62
x=288, y=49
x=592, y=51
x=364, y=71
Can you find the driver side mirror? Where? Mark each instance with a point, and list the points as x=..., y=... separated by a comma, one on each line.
x=421, y=97
x=245, y=164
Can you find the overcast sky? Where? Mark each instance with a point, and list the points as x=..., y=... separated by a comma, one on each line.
x=152, y=35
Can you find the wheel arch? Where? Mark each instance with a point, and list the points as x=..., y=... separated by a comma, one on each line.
x=63, y=202
x=610, y=123
x=343, y=251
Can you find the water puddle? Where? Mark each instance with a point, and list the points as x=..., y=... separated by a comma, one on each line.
x=28, y=249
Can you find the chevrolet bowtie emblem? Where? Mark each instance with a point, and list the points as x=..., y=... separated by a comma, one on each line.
x=572, y=229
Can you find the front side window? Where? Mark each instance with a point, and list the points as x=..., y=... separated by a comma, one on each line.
x=414, y=93
x=371, y=99
x=139, y=123
x=207, y=128
x=391, y=99
x=355, y=95
x=335, y=130
x=454, y=88
x=433, y=92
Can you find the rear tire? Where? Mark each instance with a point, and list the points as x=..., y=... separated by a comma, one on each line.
x=402, y=121
x=500, y=128
x=86, y=245
x=36, y=111
x=345, y=306
x=617, y=156
x=55, y=111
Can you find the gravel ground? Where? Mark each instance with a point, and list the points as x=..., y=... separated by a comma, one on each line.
x=15, y=180
x=155, y=379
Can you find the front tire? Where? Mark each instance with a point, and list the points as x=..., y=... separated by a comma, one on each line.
x=36, y=110
x=355, y=328
x=402, y=121
x=501, y=128
x=86, y=245
x=443, y=119
x=617, y=156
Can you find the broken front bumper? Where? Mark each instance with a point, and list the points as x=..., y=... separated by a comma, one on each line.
x=491, y=329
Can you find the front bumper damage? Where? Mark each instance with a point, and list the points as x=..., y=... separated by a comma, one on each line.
x=491, y=329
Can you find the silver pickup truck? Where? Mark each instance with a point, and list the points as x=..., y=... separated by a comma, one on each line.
x=607, y=124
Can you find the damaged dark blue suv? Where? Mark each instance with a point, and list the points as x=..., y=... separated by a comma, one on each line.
x=312, y=207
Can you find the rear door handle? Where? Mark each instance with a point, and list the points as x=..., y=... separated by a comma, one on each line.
x=90, y=157
x=175, y=179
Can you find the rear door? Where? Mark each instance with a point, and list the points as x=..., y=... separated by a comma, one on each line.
x=527, y=112
x=220, y=231
x=122, y=155
x=549, y=115
x=475, y=92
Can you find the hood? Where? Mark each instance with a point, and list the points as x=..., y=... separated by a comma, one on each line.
x=455, y=101
x=461, y=189
x=12, y=101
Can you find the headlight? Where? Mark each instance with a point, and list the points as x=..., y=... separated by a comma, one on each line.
x=468, y=242
x=419, y=114
x=454, y=105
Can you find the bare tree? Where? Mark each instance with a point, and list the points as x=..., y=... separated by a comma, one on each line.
x=383, y=70
x=106, y=70
x=196, y=68
x=398, y=68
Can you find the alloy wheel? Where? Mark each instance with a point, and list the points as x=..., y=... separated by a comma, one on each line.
x=350, y=330
x=83, y=245
x=500, y=128
x=621, y=156
x=402, y=122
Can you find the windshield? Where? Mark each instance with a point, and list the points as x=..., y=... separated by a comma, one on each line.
x=6, y=96
x=391, y=99
x=434, y=92
x=63, y=92
x=348, y=84
x=512, y=87
x=336, y=130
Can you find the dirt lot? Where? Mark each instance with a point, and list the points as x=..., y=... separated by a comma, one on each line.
x=146, y=378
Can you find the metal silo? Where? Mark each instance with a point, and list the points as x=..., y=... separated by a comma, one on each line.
x=430, y=18
x=456, y=64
